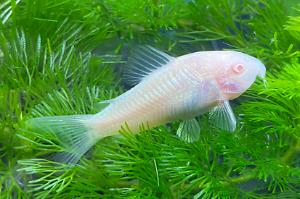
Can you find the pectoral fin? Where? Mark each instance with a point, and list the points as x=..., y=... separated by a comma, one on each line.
x=223, y=117
x=189, y=130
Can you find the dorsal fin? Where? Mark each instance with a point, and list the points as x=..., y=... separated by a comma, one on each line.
x=144, y=60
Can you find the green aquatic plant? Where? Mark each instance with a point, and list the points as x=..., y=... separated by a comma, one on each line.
x=62, y=57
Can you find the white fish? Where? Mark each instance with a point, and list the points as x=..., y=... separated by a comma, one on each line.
x=166, y=89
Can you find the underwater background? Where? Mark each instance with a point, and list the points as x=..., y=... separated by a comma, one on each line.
x=61, y=57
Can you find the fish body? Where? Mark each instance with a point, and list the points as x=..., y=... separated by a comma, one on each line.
x=166, y=89
x=181, y=89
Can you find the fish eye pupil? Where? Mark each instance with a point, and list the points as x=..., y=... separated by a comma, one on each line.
x=238, y=68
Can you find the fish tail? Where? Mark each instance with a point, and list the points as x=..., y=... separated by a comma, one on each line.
x=73, y=131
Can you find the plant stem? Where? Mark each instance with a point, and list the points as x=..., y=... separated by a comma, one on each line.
x=244, y=178
x=292, y=151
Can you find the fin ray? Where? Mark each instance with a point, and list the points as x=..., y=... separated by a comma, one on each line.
x=72, y=131
x=144, y=61
x=189, y=130
x=223, y=117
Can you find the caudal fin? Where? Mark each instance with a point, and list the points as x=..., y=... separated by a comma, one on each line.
x=74, y=132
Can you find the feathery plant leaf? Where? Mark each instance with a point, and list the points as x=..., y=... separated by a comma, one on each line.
x=6, y=9
x=278, y=120
x=279, y=102
x=62, y=57
x=51, y=181
x=293, y=26
x=59, y=21
x=28, y=62
x=54, y=179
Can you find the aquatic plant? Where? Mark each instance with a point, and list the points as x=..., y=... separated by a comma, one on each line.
x=62, y=57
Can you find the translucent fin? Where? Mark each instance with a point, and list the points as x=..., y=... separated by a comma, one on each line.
x=223, y=117
x=72, y=131
x=145, y=60
x=189, y=130
x=103, y=104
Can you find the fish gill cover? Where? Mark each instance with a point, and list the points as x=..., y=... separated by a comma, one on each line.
x=63, y=57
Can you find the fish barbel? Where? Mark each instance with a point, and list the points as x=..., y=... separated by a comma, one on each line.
x=165, y=89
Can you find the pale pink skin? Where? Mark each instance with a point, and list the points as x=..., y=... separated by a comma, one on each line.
x=188, y=86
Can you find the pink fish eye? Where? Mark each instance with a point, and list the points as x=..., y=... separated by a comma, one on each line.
x=238, y=68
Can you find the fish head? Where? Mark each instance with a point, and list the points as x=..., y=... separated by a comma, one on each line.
x=237, y=73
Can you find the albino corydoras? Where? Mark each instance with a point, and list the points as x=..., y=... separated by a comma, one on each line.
x=165, y=89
